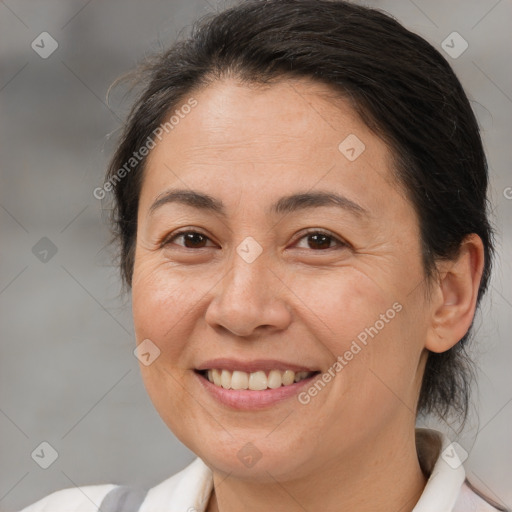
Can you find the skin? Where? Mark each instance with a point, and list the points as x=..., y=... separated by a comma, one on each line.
x=352, y=447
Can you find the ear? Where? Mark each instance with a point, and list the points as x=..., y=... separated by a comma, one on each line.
x=454, y=295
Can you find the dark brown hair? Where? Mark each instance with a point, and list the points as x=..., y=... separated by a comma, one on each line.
x=399, y=84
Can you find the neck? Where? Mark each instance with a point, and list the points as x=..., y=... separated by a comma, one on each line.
x=383, y=475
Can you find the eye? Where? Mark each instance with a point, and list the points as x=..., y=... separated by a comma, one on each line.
x=191, y=239
x=321, y=240
x=316, y=240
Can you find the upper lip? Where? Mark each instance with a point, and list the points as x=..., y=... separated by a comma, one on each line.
x=252, y=366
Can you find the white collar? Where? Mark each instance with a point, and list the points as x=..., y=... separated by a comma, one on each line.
x=190, y=489
x=439, y=459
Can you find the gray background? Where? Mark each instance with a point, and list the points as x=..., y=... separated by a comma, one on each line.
x=68, y=375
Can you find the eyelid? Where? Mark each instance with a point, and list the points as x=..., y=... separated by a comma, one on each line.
x=340, y=241
x=312, y=231
x=183, y=231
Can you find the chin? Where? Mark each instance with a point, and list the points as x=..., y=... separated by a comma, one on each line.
x=252, y=461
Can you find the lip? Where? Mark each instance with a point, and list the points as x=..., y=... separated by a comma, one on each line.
x=252, y=366
x=247, y=400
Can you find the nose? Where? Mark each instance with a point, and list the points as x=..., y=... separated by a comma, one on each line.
x=250, y=298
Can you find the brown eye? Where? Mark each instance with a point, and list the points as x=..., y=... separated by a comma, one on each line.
x=191, y=239
x=319, y=240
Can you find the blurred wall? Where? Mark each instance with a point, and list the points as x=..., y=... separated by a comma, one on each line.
x=68, y=376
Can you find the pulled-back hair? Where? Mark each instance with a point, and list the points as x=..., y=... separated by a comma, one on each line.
x=402, y=88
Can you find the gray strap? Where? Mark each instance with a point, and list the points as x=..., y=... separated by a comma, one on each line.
x=123, y=499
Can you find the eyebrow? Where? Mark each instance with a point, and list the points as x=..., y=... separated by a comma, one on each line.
x=286, y=204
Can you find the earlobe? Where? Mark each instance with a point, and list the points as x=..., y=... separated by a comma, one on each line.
x=454, y=301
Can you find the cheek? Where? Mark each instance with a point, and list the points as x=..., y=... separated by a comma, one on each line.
x=344, y=303
x=375, y=329
x=163, y=304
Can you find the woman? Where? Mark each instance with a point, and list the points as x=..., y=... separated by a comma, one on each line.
x=300, y=202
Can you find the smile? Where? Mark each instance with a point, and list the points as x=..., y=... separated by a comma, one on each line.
x=255, y=381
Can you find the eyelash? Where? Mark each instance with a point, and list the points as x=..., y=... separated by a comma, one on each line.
x=339, y=242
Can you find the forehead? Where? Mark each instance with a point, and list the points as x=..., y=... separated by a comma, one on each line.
x=267, y=140
x=231, y=117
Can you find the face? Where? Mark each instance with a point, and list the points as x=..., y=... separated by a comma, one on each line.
x=257, y=277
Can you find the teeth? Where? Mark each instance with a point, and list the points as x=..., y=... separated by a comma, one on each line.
x=274, y=379
x=216, y=377
x=255, y=381
x=300, y=376
x=225, y=379
x=239, y=380
x=288, y=377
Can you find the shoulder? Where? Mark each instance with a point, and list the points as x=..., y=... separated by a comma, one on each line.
x=191, y=486
x=83, y=499
x=188, y=489
x=472, y=500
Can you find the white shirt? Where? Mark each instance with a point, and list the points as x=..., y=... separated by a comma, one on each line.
x=190, y=489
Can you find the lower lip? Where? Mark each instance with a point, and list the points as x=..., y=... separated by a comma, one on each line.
x=244, y=399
